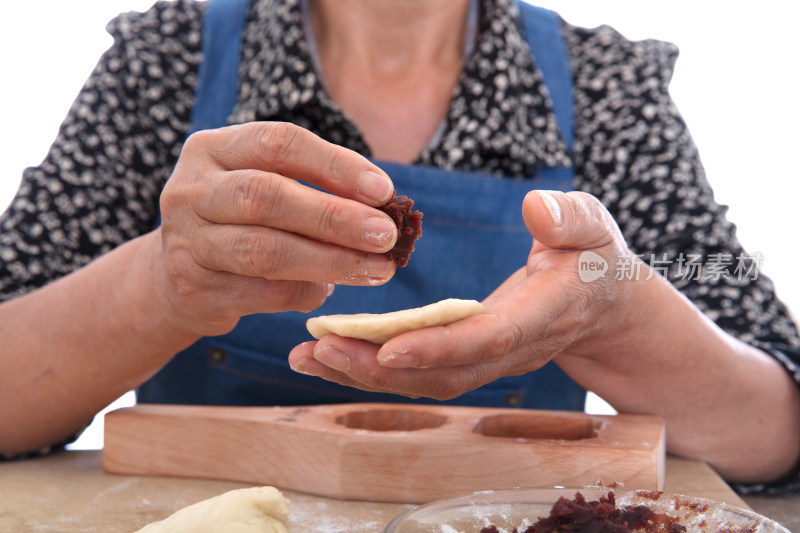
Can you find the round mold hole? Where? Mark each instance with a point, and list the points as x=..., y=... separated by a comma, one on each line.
x=537, y=427
x=391, y=420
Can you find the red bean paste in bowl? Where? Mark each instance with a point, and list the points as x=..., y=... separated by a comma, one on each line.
x=603, y=516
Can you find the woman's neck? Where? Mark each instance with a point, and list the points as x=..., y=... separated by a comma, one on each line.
x=391, y=66
x=388, y=38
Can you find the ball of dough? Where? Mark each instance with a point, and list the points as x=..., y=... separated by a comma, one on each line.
x=252, y=510
x=380, y=328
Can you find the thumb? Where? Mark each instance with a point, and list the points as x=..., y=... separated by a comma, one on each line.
x=574, y=220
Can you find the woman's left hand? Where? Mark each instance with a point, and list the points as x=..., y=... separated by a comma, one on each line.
x=547, y=308
x=624, y=333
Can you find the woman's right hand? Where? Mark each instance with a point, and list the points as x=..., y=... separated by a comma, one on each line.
x=240, y=234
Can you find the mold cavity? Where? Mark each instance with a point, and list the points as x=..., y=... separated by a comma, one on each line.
x=391, y=420
x=537, y=427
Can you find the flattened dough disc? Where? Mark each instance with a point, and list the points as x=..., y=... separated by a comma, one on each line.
x=380, y=328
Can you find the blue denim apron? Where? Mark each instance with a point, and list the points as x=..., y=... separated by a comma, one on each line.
x=473, y=238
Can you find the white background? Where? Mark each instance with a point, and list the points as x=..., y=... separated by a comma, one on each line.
x=735, y=84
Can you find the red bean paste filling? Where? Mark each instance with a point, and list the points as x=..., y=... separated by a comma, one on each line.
x=409, y=227
x=601, y=516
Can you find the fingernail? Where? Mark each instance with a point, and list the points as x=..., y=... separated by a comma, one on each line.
x=379, y=232
x=552, y=206
x=399, y=360
x=331, y=286
x=378, y=267
x=302, y=367
x=333, y=358
x=375, y=187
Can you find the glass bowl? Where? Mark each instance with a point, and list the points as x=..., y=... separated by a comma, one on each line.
x=521, y=508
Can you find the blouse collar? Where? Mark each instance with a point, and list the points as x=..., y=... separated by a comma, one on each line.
x=500, y=119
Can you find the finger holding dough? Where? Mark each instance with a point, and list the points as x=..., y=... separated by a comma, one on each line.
x=379, y=328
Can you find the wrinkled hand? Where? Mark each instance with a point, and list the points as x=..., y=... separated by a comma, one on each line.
x=240, y=234
x=541, y=311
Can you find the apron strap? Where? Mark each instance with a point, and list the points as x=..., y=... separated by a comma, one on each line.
x=543, y=34
x=218, y=77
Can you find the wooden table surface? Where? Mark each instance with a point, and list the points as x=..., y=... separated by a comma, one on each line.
x=69, y=492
